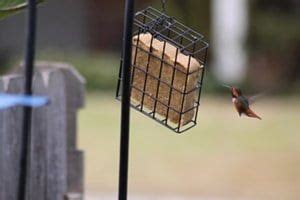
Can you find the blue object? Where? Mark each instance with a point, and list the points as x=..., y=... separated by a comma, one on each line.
x=11, y=100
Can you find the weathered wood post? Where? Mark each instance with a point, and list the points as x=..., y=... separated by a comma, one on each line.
x=56, y=165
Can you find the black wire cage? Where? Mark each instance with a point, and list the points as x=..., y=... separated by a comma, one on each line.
x=167, y=70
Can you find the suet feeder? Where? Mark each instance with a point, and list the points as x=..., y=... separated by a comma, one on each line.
x=167, y=70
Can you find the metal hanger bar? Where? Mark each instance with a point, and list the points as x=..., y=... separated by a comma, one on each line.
x=157, y=13
x=163, y=2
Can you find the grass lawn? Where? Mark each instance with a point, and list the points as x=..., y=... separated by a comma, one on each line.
x=224, y=156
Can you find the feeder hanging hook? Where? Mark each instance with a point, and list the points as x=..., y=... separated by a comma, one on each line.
x=163, y=2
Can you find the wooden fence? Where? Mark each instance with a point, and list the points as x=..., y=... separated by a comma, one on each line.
x=56, y=165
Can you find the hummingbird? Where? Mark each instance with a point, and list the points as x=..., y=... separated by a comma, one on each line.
x=241, y=103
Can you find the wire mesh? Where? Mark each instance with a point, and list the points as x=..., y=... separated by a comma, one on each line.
x=167, y=70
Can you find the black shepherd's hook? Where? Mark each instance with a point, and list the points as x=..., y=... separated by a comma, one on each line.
x=125, y=114
x=29, y=70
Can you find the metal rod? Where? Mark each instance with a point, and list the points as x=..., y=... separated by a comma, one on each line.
x=125, y=115
x=163, y=2
x=201, y=82
x=29, y=70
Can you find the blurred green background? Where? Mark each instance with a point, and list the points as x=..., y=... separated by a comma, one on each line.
x=92, y=31
x=224, y=157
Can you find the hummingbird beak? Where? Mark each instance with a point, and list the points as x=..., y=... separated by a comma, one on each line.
x=228, y=86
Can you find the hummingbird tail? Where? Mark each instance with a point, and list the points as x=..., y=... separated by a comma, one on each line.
x=250, y=113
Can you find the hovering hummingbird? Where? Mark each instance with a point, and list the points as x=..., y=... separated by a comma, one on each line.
x=241, y=103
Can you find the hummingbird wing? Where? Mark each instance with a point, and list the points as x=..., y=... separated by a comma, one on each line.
x=254, y=98
x=244, y=101
x=10, y=100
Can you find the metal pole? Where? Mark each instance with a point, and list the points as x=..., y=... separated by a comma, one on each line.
x=125, y=115
x=29, y=70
